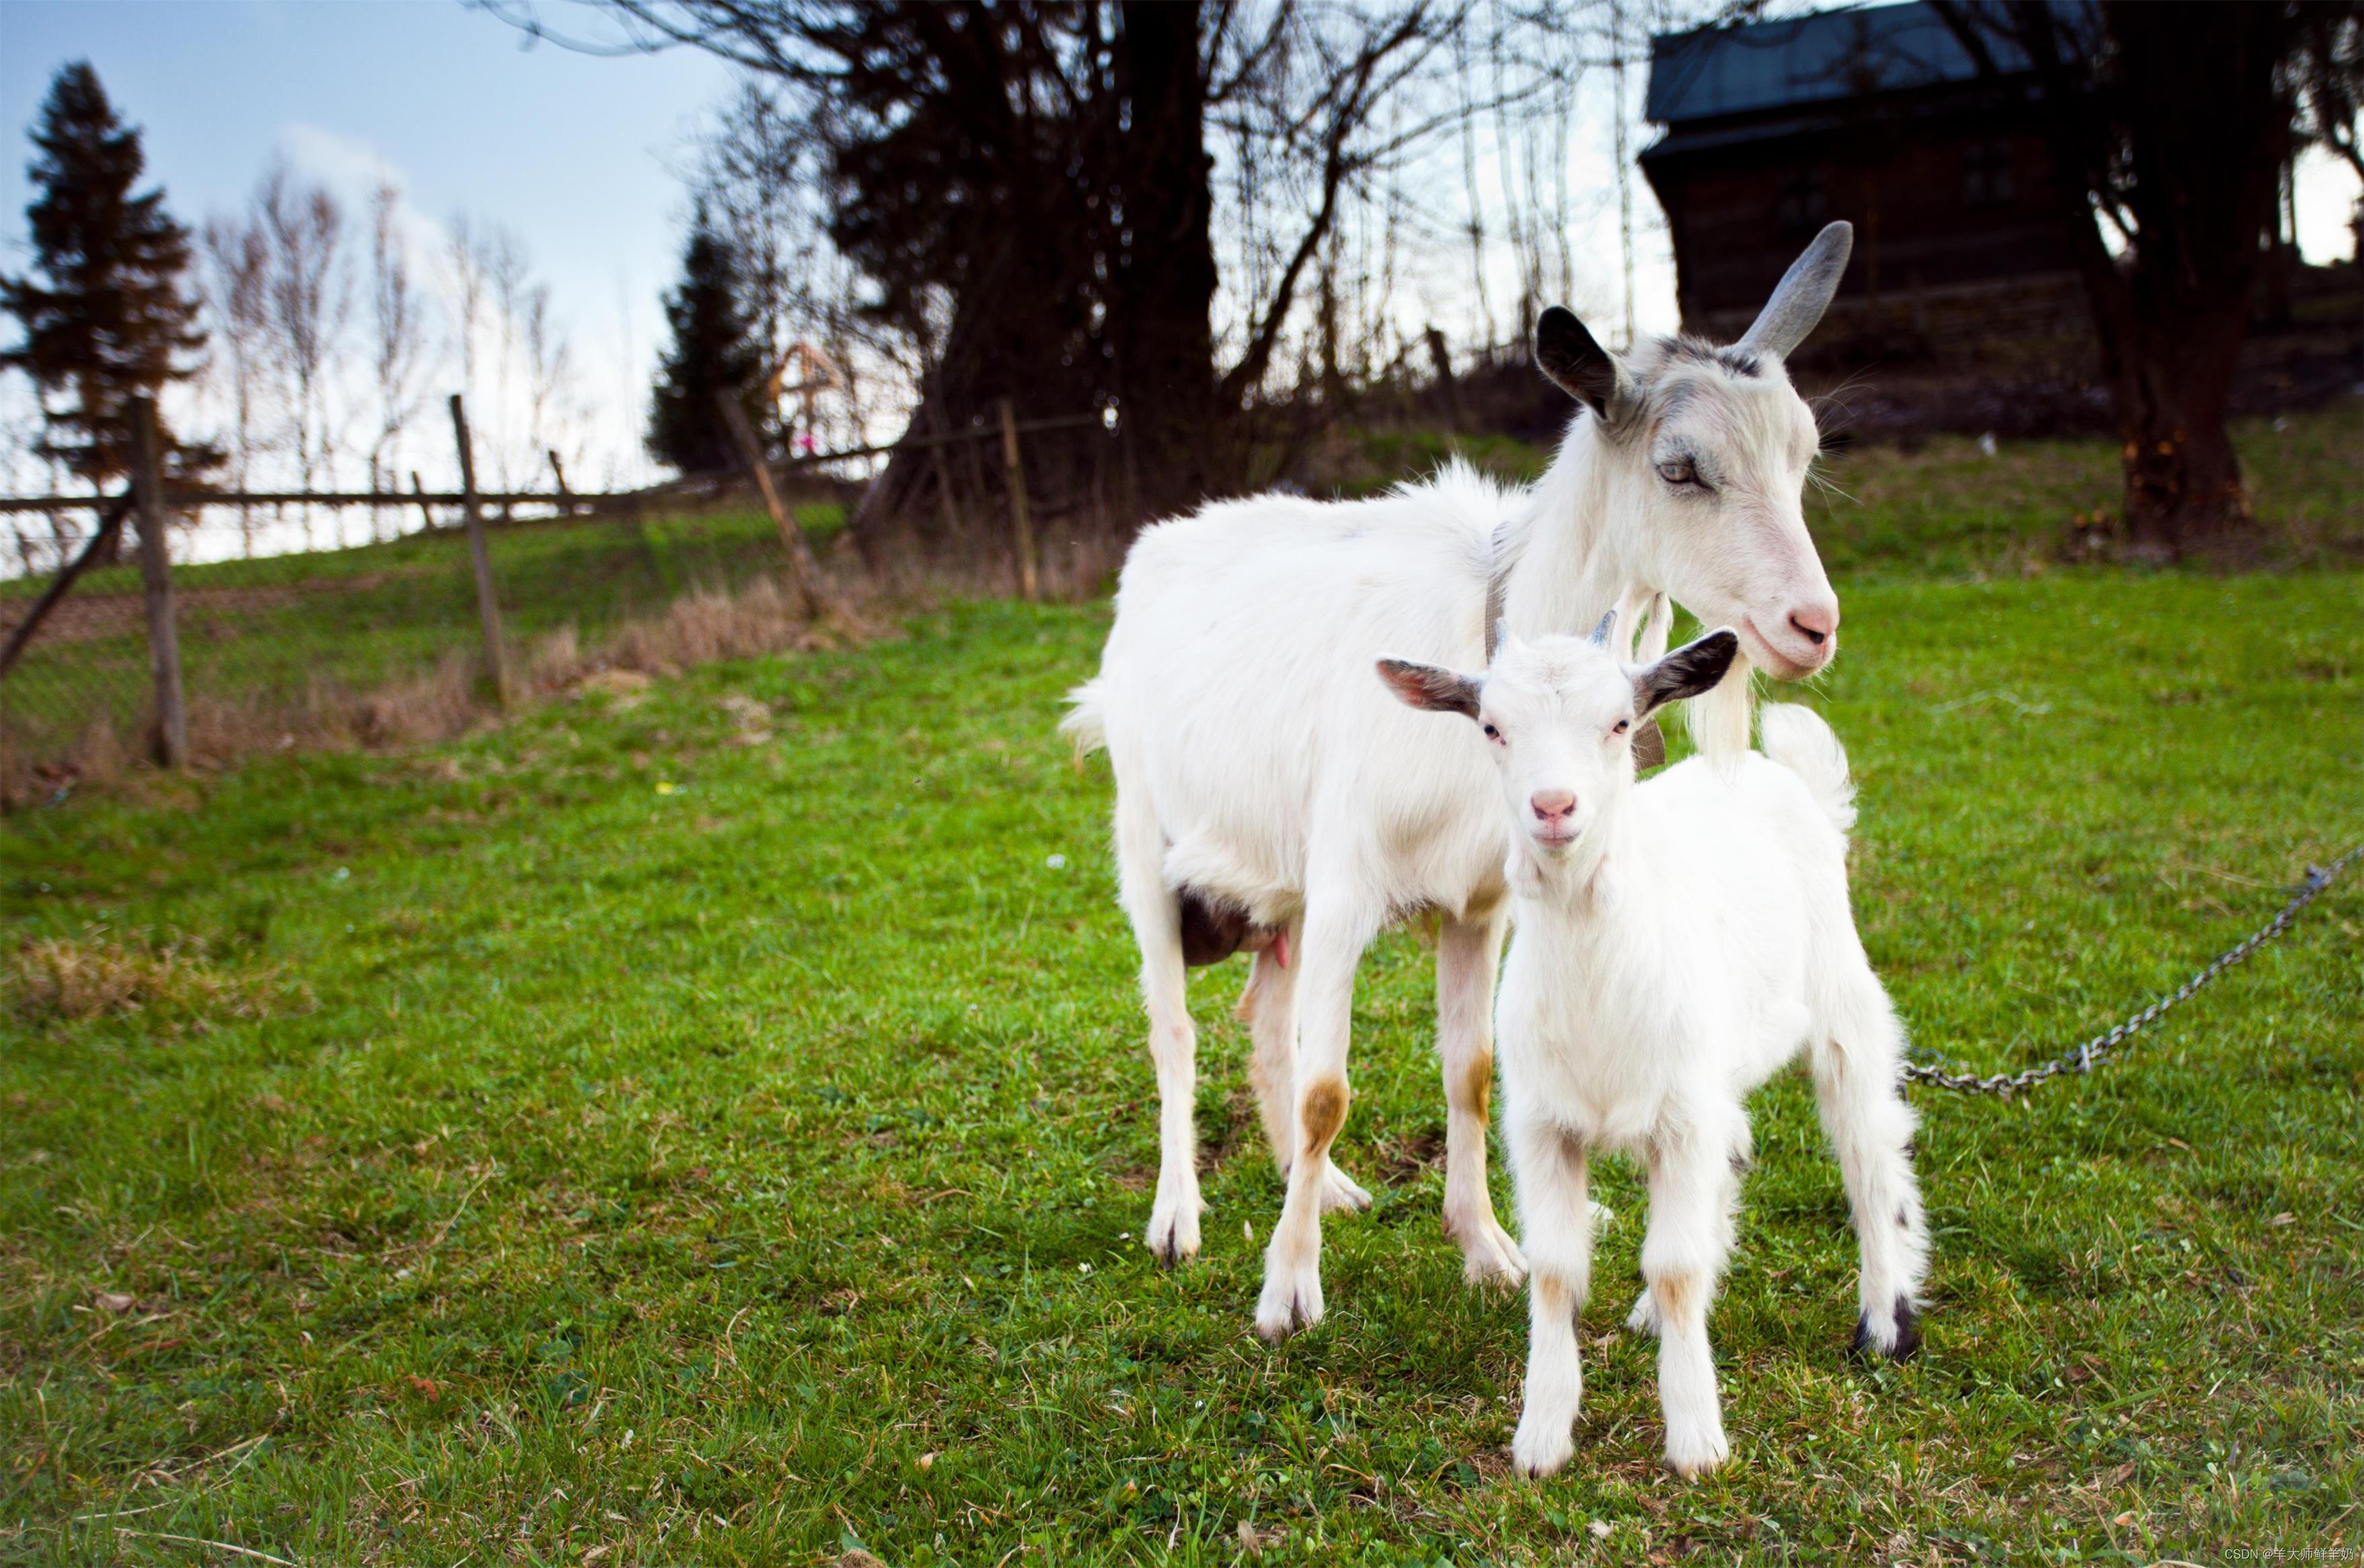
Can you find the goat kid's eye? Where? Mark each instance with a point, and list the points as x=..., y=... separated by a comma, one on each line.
x=1492, y=733
x=1623, y=726
x=1680, y=470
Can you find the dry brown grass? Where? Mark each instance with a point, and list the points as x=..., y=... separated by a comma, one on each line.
x=450, y=699
x=63, y=979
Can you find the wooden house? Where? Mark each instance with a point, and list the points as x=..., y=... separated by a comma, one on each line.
x=1879, y=117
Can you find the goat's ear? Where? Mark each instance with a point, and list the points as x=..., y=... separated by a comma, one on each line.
x=1430, y=687
x=1693, y=668
x=1584, y=370
x=1600, y=638
x=1803, y=292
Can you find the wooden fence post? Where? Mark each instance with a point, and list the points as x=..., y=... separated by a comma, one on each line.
x=558, y=469
x=172, y=735
x=1020, y=523
x=817, y=600
x=426, y=513
x=488, y=603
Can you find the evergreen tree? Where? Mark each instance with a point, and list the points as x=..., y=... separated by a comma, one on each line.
x=108, y=316
x=713, y=349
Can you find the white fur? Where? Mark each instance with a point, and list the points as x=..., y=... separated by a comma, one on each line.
x=1678, y=941
x=1258, y=764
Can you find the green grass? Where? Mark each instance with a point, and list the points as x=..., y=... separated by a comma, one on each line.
x=604, y=1132
x=284, y=630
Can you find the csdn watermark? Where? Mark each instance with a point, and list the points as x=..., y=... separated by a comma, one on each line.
x=2338, y=1553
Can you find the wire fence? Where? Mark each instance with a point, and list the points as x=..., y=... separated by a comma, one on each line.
x=384, y=637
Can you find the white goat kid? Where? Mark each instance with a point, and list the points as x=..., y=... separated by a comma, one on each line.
x=1269, y=797
x=1678, y=942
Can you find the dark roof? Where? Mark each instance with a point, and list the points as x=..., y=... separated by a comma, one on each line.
x=1809, y=60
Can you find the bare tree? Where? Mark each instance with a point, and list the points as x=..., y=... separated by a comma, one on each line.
x=309, y=300
x=550, y=372
x=506, y=268
x=464, y=266
x=236, y=278
x=397, y=337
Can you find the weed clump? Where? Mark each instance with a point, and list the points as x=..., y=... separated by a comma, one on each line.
x=62, y=980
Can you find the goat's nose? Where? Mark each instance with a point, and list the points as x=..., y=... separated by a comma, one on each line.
x=1550, y=805
x=1816, y=623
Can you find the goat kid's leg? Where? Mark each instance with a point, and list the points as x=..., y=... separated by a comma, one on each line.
x=1467, y=954
x=1870, y=1128
x=1156, y=912
x=1556, y=1216
x=1269, y=1006
x=1694, y=1180
x=1292, y=1263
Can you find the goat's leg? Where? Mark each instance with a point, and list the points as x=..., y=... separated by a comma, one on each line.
x=1854, y=1062
x=1156, y=912
x=1334, y=944
x=1270, y=1011
x=1269, y=1007
x=1467, y=954
x=1556, y=1216
x=1694, y=1180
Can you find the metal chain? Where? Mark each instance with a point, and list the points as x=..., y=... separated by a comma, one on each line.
x=2090, y=1054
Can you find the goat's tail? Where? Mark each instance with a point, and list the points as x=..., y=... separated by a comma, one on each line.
x=1085, y=723
x=1796, y=738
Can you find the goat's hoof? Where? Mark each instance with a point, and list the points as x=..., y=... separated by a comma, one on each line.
x=1540, y=1451
x=1897, y=1340
x=1339, y=1191
x=1488, y=1255
x=1694, y=1454
x=1291, y=1301
x=1644, y=1318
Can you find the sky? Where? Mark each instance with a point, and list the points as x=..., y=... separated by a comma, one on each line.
x=578, y=155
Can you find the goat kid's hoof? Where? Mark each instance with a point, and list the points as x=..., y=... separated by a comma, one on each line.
x=1291, y=1301
x=1644, y=1318
x=1895, y=1337
x=1339, y=1191
x=1173, y=1234
x=1694, y=1454
x=1540, y=1451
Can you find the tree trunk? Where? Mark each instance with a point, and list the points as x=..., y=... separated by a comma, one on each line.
x=2205, y=197
x=2184, y=495
x=1184, y=449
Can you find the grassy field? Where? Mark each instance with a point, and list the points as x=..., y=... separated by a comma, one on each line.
x=290, y=635
x=1947, y=508
x=709, y=1126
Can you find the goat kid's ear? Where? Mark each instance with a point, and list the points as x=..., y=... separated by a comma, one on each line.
x=1584, y=370
x=1428, y=686
x=1693, y=668
x=1600, y=638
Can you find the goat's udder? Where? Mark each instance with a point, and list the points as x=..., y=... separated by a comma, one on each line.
x=1213, y=929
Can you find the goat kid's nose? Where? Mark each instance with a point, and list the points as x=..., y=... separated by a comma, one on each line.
x=1816, y=623
x=1553, y=805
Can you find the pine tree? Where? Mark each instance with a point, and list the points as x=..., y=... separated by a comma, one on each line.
x=108, y=316
x=713, y=349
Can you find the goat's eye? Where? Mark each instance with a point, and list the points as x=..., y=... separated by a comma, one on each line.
x=1623, y=726
x=1680, y=470
x=1492, y=733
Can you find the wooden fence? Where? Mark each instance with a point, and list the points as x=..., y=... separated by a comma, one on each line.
x=149, y=499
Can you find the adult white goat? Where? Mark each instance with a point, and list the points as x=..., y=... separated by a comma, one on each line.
x=1270, y=797
x=1678, y=943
